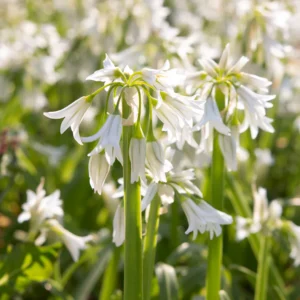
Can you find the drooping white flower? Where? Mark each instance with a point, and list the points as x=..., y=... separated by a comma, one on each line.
x=203, y=217
x=108, y=74
x=177, y=180
x=72, y=115
x=98, y=171
x=265, y=216
x=74, y=243
x=119, y=226
x=109, y=139
x=255, y=113
x=228, y=146
x=150, y=193
x=40, y=207
x=137, y=155
x=213, y=117
x=156, y=162
x=163, y=79
x=181, y=181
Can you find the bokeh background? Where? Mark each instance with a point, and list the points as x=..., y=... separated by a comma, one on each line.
x=48, y=48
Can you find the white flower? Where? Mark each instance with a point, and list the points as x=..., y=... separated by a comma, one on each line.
x=108, y=74
x=40, y=207
x=109, y=139
x=295, y=243
x=156, y=162
x=73, y=242
x=181, y=181
x=213, y=117
x=98, y=171
x=265, y=216
x=137, y=155
x=255, y=112
x=244, y=227
x=228, y=146
x=264, y=157
x=132, y=98
x=203, y=217
x=150, y=193
x=119, y=226
x=72, y=115
x=163, y=79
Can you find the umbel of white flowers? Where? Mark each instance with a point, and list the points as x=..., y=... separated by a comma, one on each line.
x=44, y=212
x=266, y=219
x=234, y=102
x=175, y=184
x=177, y=114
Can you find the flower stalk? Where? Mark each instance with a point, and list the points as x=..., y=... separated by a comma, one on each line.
x=213, y=279
x=150, y=247
x=133, y=222
x=261, y=286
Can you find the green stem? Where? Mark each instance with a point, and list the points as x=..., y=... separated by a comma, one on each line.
x=242, y=208
x=150, y=247
x=263, y=269
x=133, y=220
x=110, y=276
x=213, y=278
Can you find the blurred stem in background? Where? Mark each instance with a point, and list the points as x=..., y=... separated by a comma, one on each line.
x=261, y=286
x=242, y=208
x=133, y=279
x=214, y=267
x=150, y=247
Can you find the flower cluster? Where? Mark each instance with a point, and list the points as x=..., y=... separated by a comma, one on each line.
x=266, y=219
x=130, y=97
x=234, y=102
x=44, y=214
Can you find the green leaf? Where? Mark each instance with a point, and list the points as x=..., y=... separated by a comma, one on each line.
x=86, y=287
x=25, y=162
x=26, y=263
x=167, y=281
x=251, y=276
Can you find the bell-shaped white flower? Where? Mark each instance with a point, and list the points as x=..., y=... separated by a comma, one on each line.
x=203, y=217
x=98, y=171
x=163, y=79
x=109, y=139
x=228, y=146
x=74, y=243
x=181, y=181
x=150, y=193
x=177, y=112
x=72, y=115
x=137, y=155
x=255, y=110
x=109, y=73
x=156, y=162
x=40, y=207
x=119, y=226
x=213, y=117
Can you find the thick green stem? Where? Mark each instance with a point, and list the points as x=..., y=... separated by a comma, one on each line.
x=242, y=208
x=215, y=246
x=133, y=281
x=261, y=286
x=150, y=247
x=110, y=276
